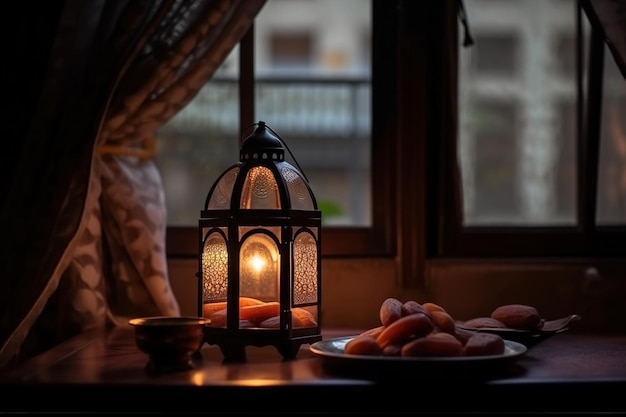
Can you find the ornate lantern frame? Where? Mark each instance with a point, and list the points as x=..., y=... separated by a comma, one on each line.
x=261, y=210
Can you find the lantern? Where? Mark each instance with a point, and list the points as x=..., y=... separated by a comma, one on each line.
x=259, y=268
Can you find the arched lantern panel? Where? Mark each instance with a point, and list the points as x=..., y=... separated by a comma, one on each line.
x=259, y=263
x=214, y=268
x=305, y=273
x=299, y=192
x=260, y=190
x=223, y=190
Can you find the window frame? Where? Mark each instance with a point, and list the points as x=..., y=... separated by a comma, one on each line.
x=583, y=240
x=416, y=198
x=337, y=241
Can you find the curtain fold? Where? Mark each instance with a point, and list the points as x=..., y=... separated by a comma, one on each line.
x=86, y=241
x=610, y=17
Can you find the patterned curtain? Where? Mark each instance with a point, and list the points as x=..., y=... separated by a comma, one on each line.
x=86, y=243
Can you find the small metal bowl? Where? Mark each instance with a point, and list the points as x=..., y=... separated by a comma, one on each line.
x=170, y=342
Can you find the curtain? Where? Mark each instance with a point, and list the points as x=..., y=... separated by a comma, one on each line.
x=84, y=211
x=610, y=17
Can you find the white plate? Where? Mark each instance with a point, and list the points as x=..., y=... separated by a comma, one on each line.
x=332, y=353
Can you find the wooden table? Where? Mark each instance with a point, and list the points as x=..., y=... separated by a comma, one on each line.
x=105, y=372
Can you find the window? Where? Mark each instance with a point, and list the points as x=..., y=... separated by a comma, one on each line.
x=312, y=85
x=460, y=153
x=529, y=184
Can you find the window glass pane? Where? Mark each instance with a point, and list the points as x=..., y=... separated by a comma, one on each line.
x=312, y=62
x=612, y=168
x=200, y=143
x=517, y=113
x=497, y=55
x=313, y=88
x=496, y=167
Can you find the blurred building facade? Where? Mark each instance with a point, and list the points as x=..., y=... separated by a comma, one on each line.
x=517, y=102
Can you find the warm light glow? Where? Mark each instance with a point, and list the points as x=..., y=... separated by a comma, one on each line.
x=258, y=382
x=260, y=267
x=257, y=263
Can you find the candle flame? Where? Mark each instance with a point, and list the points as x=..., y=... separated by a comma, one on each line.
x=257, y=263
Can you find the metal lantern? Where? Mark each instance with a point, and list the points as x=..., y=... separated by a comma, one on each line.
x=260, y=261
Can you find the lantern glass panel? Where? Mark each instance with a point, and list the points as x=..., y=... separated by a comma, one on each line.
x=304, y=269
x=298, y=190
x=259, y=265
x=304, y=317
x=214, y=268
x=222, y=193
x=260, y=190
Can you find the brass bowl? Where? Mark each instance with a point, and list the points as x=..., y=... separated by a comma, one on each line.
x=170, y=342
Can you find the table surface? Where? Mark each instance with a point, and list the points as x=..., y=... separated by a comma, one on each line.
x=106, y=372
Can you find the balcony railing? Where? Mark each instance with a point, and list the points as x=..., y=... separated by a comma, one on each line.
x=332, y=107
x=324, y=121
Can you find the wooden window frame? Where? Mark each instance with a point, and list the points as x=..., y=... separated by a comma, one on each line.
x=416, y=207
x=451, y=240
x=378, y=240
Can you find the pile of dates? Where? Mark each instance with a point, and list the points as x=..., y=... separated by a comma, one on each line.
x=410, y=329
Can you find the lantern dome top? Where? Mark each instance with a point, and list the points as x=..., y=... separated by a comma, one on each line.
x=262, y=142
x=262, y=180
